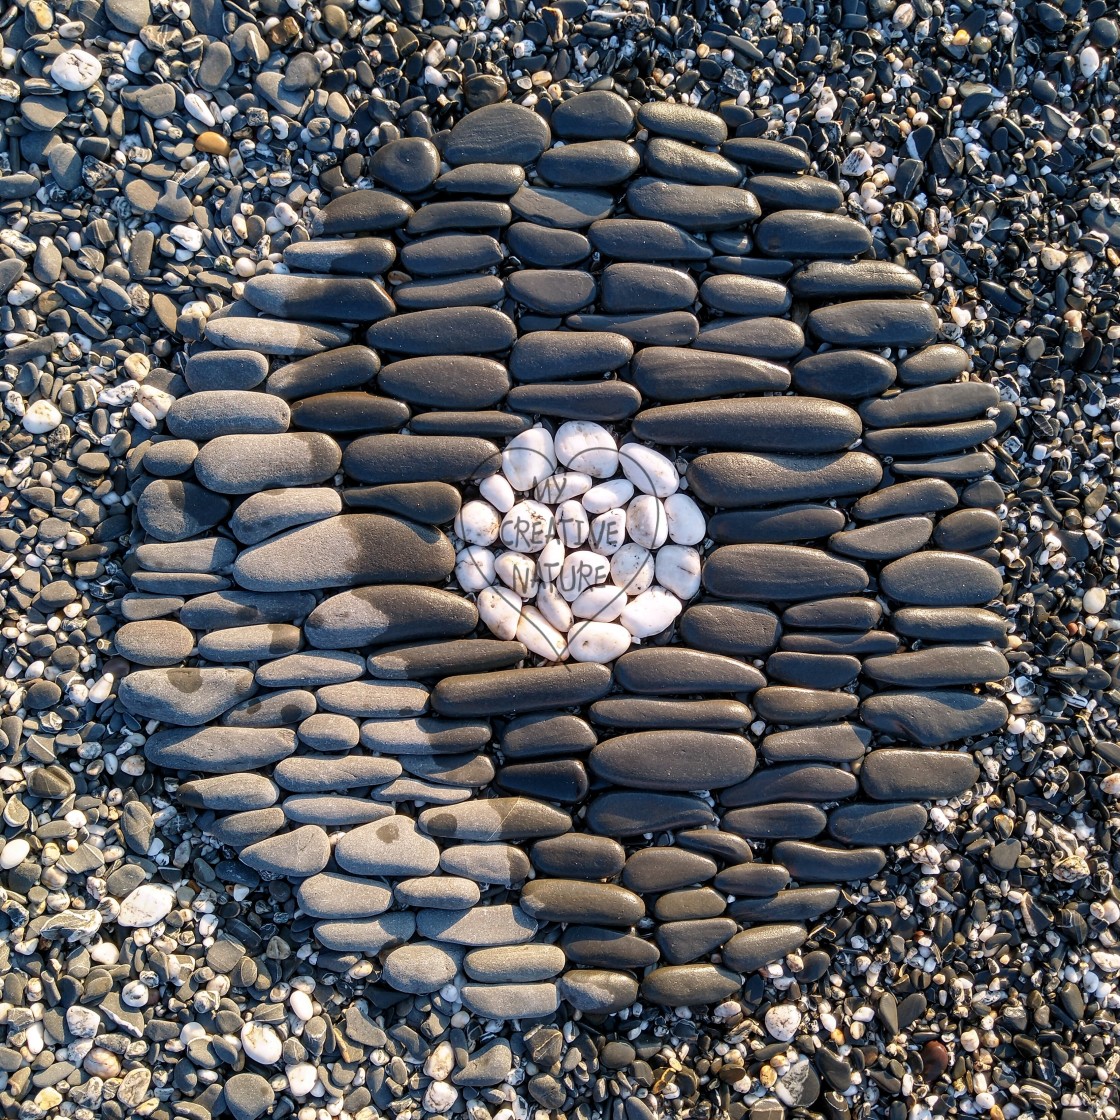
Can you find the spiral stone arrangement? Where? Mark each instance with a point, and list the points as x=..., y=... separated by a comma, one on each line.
x=644, y=321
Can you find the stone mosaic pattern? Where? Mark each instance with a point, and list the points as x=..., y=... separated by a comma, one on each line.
x=446, y=801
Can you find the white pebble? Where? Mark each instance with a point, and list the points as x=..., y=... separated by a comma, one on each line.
x=581, y=570
x=587, y=447
x=440, y=1096
x=301, y=1005
x=607, y=495
x=302, y=1078
x=440, y=1063
x=1094, y=600
x=539, y=636
x=82, y=1021
x=529, y=458
x=518, y=572
x=527, y=527
x=571, y=523
x=14, y=853
x=500, y=609
x=550, y=561
x=686, y=520
x=498, y=492
x=677, y=568
x=650, y=613
x=632, y=568
x=649, y=470
x=602, y=604
x=554, y=607
x=782, y=1021
x=478, y=523
x=598, y=641
x=561, y=486
x=41, y=417
x=474, y=567
x=148, y=904
x=261, y=1043
x=646, y=522
x=1089, y=61
x=75, y=70
x=608, y=532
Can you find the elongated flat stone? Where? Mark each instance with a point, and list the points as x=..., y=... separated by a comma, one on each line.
x=738, y=480
x=936, y=440
x=578, y=901
x=219, y=750
x=542, y=247
x=934, y=717
x=552, y=291
x=752, y=949
x=424, y=736
x=391, y=458
x=894, y=775
x=468, y=290
x=658, y=869
x=388, y=613
x=632, y=288
x=807, y=233
x=844, y=374
x=227, y=608
x=938, y=667
x=798, y=424
x=689, y=985
x=445, y=658
x=643, y=712
x=430, y=503
x=958, y=468
x=875, y=322
x=315, y=774
x=672, y=761
x=331, y=895
x=694, y=208
x=579, y=856
x=967, y=529
x=886, y=540
x=885, y=824
x=270, y=336
x=591, y=114
x=812, y=670
x=633, y=813
x=780, y=573
x=557, y=355
x=225, y=369
x=375, y=699
x=944, y=361
x=297, y=854
x=230, y=792
x=497, y=179
x=462, y=381
x=795, y=192
x=809, y=782
x=451, y=254
x=332, y=810
x=244, y=464
x=220, y=412
x=184, y=697
x=496, y=818
x=745, y=295
x=390, y=847
x=816, y=863
x=511, y=1001
x=561, y=208
x=590, y=164
x=319, y=299
x=681, y=942
x=671, y=669
x=665, y=328
x=906, y=499
x=347, y=367
x=846, y=613
x=797, y=904
x=311, y=669
x=934, y=404
x=760, y=337
x=344, y=551
x=343, y=256
x=781, y=820
x=368, y=936
x=851, y=643
x=459, y=214
x=851, y=279
x=941, y=579
x=454, y=330
x=682, y=122
x=563, y=780
x=768, y=155
x=601, y=401
x=478, y=927
x=607, y=948
x=351, y=412
x=598, y=991
x=545, y=734
x=784, y=524
x=419, y=968
x=631, y=239
x=499, y=133
x=521, y=690
x=677, y=374
x=950, y=624
x=742, y=629
x=365, y=211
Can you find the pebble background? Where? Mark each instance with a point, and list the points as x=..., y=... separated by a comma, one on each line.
x=972, y=974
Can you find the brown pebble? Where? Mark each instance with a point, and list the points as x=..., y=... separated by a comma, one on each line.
x=212, y=143
x=935, y=1060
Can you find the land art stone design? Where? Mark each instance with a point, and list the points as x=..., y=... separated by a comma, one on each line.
x=665, y=810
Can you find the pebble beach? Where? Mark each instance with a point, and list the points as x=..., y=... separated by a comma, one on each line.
x=558, y=561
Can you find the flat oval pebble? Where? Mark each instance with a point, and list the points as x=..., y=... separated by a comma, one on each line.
x=941, y=579
x=753, y=948
x=362, y=211
x=688, y=985
x=875, y=322
x=244, y=464
x=682, y=122
x=501, y=133
x=478, y=330
x=739, y=480
x=807, y=233
x=934, y=717
x=780, y=573
x=893, y=775
x=673, y=760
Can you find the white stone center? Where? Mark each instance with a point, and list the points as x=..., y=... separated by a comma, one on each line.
x=579, y=548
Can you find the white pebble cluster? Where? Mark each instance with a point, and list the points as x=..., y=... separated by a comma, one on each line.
x=579, y=548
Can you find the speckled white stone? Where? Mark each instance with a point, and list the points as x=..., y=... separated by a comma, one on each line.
x=650, y=613
x=586, y=446
x=598, y=641
x=607, y=495
x=677, y=568
x=529, y=458
x=649, y=470
x=686, y=520
x=646, y=523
